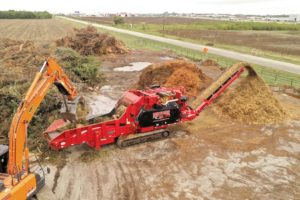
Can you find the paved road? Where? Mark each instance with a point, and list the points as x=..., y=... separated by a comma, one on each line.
x=289, y=67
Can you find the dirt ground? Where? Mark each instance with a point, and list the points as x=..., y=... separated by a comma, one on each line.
x=209, y=158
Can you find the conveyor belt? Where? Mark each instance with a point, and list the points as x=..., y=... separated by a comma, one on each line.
x=223, y=79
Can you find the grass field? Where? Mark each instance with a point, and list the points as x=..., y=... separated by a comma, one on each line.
x=280, y=41
x=37, y=30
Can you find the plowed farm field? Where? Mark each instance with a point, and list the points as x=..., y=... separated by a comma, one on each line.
x=37, y=30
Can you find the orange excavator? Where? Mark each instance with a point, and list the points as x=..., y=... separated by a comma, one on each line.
x=17, y=182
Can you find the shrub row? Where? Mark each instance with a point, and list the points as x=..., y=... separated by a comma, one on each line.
x=12, y=14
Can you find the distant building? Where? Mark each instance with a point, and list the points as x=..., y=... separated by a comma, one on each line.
x=294, y=18
x=78, y=14
x=124, y=14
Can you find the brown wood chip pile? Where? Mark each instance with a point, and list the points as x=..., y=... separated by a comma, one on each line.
x=250, y=101
x=175, y=73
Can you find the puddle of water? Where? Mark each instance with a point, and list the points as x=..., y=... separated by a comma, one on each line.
x=99, y=105
x=166, y=58
x=106, y=87
x=134, y=66
x=114, y=92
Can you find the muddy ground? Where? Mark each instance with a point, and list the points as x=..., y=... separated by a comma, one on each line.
x=209, y=158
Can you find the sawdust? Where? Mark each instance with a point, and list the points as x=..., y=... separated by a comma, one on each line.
x=175, y=73
x=87, y=41
x=250, y=101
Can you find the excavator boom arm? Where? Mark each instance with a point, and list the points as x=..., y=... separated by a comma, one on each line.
x=50, y=73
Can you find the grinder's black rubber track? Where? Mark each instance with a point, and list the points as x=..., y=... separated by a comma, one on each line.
x=125, y=141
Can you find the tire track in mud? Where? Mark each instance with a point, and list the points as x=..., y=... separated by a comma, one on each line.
x=99, y=188
x=109, y=181
x=131, y=173
x=57, y=175
x=119, y=188
x=128, y=184
x=69, y=188
x=150, y=165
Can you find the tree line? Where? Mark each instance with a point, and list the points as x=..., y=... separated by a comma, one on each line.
x=12, y=14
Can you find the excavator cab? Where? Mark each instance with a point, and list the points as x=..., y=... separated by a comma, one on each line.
x=3, y=158
x=37, y=170
x=3, y=162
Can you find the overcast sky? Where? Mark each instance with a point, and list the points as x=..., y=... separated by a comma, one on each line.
x=158, y=6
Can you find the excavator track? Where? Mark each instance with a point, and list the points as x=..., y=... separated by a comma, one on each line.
x=133, y=139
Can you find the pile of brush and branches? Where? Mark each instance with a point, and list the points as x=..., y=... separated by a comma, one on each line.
x=87, y=41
